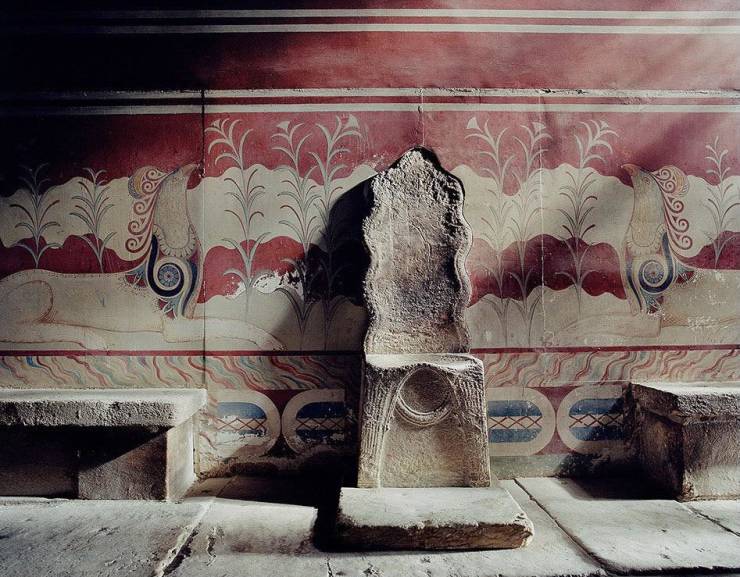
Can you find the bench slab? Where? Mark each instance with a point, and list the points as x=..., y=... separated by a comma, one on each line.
x=688, y=437
x=98, y=444
x=443, y=518
x=687, y=402
x=99, y=407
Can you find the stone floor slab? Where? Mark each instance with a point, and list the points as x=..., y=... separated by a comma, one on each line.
x=238, y=527
x=208, y=536
x=633, y=535
x=725, y=513
x=252, y=539
x=223, y=538
x=551, y=553
x=60, y=538
x=439, y=518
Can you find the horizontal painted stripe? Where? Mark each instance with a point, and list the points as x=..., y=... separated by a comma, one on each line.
x=607, y=349
x=513, y=408
x=104, y=110
x=173, y=353
x=322, y=410
x=596, y=407
x=369, y=27
x=245, y=410
x=366, y=107
x=295, y=93
x=396, y=13
x=544, y=93
x=512, y=435
x=597, y=433
x=311, y=353
x=472, y=106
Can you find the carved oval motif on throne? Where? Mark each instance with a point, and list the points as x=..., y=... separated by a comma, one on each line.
x=424, y=398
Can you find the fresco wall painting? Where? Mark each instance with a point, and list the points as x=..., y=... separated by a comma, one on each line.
x=181, y=208
x=223, y=251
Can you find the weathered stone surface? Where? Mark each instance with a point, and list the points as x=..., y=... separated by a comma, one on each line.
x=629, y=534
x=138, y=465
x=92, y=538
x=208, y=537
x=180, y=458
x=99, y=407
x=250, y=538
x=416, y=288
x=236, y=527
x=38, y=462
x=95, y=444
x=687, y=402
x=423, y=407
x=423, y=422
x=431, y=518
x=550, y=554
x=725, y=513
x=688, y=438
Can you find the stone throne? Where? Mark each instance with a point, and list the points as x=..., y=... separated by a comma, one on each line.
x=423, y=476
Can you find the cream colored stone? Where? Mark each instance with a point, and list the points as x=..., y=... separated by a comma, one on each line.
x=423, y=422
x=688, y=437
x=724, y=513
x=98, y=444
x=686, y=402
x=99, y=407
x=633, y=535
x=416, y=288
x=432, y=518
x=93, y=538
x=423, y=400
x=423, y=476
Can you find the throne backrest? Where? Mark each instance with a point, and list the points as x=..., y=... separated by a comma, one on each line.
x=416, y=288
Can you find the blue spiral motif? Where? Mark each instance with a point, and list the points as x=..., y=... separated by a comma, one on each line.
x=653, y=272
x=169, y=275
x=656, y=274
x=165, y=279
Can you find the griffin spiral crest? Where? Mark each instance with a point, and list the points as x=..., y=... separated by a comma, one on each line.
x=673, y=183
x=170, y=276
x=652, y=273
x=145, y=181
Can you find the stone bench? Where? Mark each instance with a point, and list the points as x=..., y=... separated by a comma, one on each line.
x=687, y=437
x=98, y=444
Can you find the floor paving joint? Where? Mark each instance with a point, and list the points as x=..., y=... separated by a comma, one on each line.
x=575, y=541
